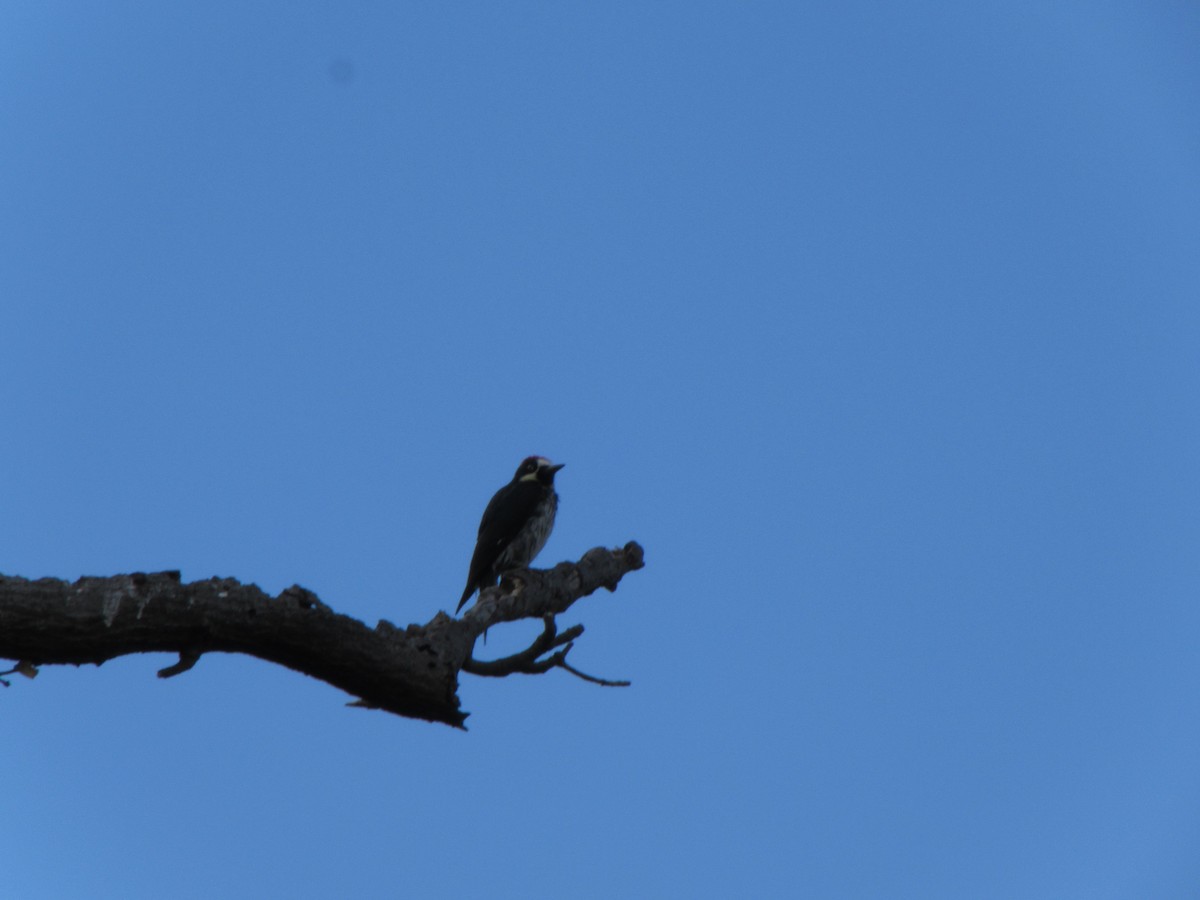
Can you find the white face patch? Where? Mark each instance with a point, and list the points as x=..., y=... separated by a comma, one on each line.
x=542, y=463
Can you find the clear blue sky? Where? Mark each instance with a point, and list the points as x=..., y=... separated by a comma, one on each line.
x=875, y=324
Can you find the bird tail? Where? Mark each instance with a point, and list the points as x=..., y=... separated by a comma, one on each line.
x=465, y=597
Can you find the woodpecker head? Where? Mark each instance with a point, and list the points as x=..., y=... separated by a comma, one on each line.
x=537, y=468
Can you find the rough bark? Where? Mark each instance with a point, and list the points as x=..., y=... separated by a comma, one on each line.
x=409, y=671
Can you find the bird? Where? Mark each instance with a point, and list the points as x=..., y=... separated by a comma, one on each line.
x=515, y=525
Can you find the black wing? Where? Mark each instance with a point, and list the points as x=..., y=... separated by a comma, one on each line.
x=508, y=510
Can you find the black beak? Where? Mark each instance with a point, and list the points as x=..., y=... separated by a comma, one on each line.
x=554, y=469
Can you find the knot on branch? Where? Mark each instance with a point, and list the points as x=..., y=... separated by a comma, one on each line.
x=303, y=598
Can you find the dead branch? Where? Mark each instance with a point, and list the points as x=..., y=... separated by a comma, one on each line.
x=411, y=671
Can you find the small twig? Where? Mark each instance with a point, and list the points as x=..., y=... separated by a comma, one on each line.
x=603, y=682
x=525, y=662
x=559, y=660
x=24, y=667
x=187, y=659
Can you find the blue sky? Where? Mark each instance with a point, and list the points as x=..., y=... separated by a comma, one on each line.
x=875, y=325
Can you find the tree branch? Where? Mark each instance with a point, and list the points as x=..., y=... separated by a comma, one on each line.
x=411, y=672
x=526, y=660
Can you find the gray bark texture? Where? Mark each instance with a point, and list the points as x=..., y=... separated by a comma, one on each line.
x=409, y=671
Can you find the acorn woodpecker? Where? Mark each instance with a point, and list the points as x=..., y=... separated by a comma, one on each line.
x=515, y=525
